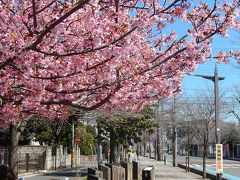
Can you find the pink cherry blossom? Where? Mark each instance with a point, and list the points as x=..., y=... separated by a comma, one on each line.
x=93, y=54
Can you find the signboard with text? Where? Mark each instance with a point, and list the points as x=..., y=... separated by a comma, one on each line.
x=219, y=158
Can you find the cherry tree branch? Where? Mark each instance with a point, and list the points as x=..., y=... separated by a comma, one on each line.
x=71, y=103
x=74, y=73
x=5, y=4
x=41, y=10
x=67, y=102
x=168, y=7
x=80, y=4
x=75, y=91
x=7, y=62
x=34, y=14
x=85, y=51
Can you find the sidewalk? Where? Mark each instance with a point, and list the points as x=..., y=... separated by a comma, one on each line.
x=167, y=172
x=162, y=172
x=82, y=169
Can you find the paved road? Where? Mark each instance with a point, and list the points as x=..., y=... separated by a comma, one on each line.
x=71, y=174
x=67, y=174
x=229, y=167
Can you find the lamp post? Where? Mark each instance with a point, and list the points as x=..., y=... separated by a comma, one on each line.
x=189, y=132
x=215, y=79
x=174, y=134
x=73, y=144
x=188, y=148
x=99, y=144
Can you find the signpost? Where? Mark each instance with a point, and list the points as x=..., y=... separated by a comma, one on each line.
x=77, y=140
x=219, y=158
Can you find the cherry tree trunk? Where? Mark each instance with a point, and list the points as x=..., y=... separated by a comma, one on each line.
x=13, y=150
x=114, y=149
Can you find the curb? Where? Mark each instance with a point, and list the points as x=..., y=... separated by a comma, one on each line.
x=199, y=172
x=209, y=173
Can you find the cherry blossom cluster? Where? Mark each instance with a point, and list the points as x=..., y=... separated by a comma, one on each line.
x=92, y=54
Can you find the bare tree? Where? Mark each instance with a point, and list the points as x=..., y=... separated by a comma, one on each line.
x=169, y=121
x=236, y=107
x=163, y=117
x=201, y=111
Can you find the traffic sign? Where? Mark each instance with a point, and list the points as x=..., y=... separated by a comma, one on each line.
x=219, y=158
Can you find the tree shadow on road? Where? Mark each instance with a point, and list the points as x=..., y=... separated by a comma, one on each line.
x=83, y=172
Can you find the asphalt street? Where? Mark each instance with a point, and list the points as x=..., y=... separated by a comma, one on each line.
x=229, y=167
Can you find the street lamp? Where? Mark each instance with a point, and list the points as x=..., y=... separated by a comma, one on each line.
x=99, y=144
x=215, y=79
x=73, y=144
x=188, y=148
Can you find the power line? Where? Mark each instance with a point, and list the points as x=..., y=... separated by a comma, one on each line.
x=205, y=90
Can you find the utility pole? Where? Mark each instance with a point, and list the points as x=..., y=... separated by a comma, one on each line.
x=215, y=80
x=217, y=130
x=174, y=142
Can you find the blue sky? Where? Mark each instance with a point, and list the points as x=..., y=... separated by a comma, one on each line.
x=195, y=85
x=192, y=86
x=230, y=71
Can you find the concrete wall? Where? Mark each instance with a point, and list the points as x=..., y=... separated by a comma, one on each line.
x=31, y=158
x=42, y=158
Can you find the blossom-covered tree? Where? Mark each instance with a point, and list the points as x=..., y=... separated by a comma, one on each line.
x=56, y=54
x=86, y=54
